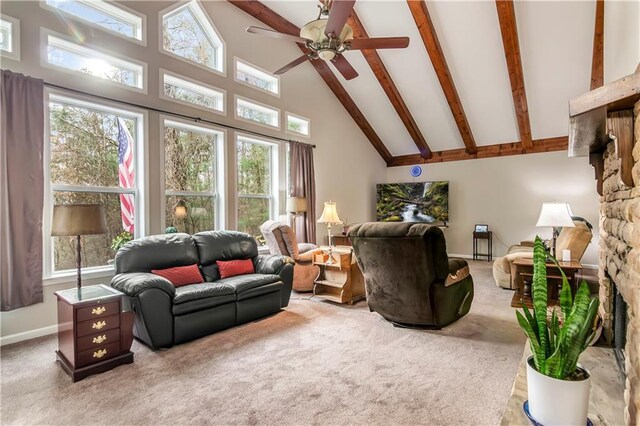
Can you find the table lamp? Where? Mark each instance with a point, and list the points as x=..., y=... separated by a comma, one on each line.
x=74, y=220
x=330, y=217
x=296, y=206
x=555, y=215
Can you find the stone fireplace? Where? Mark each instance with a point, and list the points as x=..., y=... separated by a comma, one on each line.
x=619, y=273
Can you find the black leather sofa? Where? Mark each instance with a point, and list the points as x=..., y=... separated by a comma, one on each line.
x=167, y=315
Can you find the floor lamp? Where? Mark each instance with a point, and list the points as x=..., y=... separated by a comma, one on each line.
x=330, y=217
x=296, y=206
x=75, y=220
x=556, y=216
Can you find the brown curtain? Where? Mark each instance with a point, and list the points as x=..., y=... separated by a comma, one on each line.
x=303, y=184
x=21, y=190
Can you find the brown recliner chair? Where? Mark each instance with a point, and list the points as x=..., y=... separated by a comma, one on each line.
x=576, y=239
x=282, y=240
x=409, y=278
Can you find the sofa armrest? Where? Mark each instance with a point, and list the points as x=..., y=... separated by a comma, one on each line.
x=458, y=271
x=307, y=257
x=133, y=283
x=271, y=263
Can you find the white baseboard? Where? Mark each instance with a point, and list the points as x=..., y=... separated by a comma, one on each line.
x=27, y=335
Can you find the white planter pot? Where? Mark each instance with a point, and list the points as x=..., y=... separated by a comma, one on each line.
x=554, y=402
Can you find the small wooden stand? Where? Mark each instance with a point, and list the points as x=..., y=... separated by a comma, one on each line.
x=523, y=275
x=340, y=281
x=479, y=236
x=94, y=335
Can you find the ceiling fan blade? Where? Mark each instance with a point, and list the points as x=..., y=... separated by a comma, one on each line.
x=338, y=15
x=378, y=43
x=292, y=64
x=275, y=34
x=345, y=68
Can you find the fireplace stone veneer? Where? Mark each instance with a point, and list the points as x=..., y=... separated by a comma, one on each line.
x=620, y=260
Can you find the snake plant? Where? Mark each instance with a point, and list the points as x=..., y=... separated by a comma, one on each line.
x=555, y=346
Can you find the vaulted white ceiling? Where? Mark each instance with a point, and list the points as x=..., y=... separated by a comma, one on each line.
x=556, y=40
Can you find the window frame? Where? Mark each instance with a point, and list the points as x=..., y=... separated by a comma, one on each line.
x=15, y=38
x=220, y=153
x=237, y=60
x=141, y=192
x=112, y=8
x=288, y=114
x=200, y=12
x=258, y=104
x=274, y=173
x=88, y=49
x=164, y=72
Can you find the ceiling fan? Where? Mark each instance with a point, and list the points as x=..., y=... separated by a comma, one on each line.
x=329, y=36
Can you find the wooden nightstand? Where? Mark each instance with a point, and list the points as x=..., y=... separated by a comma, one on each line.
x=94, y=335
x=341, y=281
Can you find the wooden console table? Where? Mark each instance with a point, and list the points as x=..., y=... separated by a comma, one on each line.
x=523, y=276
x=340, y=281
x=479, y=236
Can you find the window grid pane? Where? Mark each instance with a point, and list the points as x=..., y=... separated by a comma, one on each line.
x=256, y=77
x=77, y=58
x=254, y=168
x=192, y=93
x=253, y=212
x=297, y=125
x=190, y=214
x=6, y=35
x=258, y=113
x=189, y=160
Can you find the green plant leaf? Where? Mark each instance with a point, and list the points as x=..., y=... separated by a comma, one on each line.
x=539, y=290
x=536, y=350
x=566, y=299
x=578, y=326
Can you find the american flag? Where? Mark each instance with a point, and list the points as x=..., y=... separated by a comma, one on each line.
x=125, y=175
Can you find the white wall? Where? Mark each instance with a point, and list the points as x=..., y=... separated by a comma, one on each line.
x=507, y=193
x=621, y=38
x=346, y=164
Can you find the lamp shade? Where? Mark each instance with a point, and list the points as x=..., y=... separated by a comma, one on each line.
x=78, y=219
x=296, y=204
x=329, y=214
x=555, y=215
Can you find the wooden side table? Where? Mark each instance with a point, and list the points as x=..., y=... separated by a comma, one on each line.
x=94, y=335
x=523, y=276
x=341, y=240
x=340, y=281
x=479, y=236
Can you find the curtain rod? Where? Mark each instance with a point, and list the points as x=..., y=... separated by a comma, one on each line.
x=175, y=114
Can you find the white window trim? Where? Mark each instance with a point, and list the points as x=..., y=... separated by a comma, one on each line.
x=274, y=197
x=249, y=64
x=288, y=114
x=94, y=51
x=164, y=72
x=51, y=277
x=202, y=14
x=259, y=104
x=111, y=8
x=221, y=157
x=15, y=38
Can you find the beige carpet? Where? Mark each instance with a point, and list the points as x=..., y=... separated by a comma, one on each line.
x=315, y=363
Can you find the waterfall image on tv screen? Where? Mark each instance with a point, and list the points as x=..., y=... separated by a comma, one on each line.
x=413, y=202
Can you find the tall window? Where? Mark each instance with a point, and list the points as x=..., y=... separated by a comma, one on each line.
x=257, y=184
x=105, y=15
x=193, y=172
x=188, y=33
x=93, y=160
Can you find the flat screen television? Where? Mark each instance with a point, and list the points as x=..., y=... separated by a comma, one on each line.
x=426, y=202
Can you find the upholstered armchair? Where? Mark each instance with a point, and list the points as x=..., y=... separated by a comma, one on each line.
x=576, y=239
x=409, y=278
x=281, y=240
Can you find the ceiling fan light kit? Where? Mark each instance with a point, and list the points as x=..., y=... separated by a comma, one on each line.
x=321, y=37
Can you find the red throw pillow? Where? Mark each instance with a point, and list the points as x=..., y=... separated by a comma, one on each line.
x=181, y=275
x=231, y=268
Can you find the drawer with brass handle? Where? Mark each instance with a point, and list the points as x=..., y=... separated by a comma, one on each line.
x=97, y=354
x=98, y=325
x=97, y=311
x=101, y=338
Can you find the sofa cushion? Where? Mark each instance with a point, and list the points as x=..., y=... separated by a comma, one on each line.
x=232, y=268
x=156, y=252
x=222, y=245
x=200, y=304
x=180, y=275
x=243, y=283
x=259, y=291
x=201, y=291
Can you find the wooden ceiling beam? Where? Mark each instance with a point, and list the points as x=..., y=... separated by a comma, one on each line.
x=384, y=78
x=509, y=30
x=432, y=44
x=486, y=151
x=597, y=60
x=278, y=23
